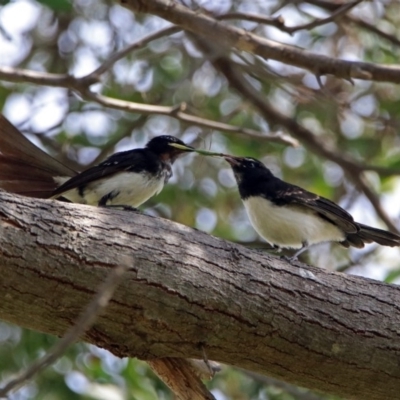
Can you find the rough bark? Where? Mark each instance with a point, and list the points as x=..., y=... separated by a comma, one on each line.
x=188, y=291
x=180, y=376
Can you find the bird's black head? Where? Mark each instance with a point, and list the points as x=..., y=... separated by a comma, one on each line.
x=164, y=147
x=244, y=164
x=247, y=168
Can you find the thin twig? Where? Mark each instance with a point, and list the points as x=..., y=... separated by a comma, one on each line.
x=173, y=112
x=279, y=22
x=134, y=46
x=382, y=171
x=86, y=319
x=228, y=37
x=358, y=260
x=360, y=182
x=374, y=29
x=80, y=85
x=332, y=6
x=115, y=139
x=338, y=13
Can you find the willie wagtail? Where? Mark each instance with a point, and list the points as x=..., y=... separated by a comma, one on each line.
x=126, y=178
x=287, y=216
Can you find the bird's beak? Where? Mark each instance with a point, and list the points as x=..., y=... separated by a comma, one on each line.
x=199, y=151
x=233, y=161
x=182, y=147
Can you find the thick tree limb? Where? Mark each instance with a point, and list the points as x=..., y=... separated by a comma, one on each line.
x=86, y=319
x=189, y=291
x=229, y=37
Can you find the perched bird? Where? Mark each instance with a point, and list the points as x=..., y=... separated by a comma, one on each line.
x=287, y=216
x=126, y=178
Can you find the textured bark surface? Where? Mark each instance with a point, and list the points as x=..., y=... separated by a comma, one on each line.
x=187, y=291
x=180, y=376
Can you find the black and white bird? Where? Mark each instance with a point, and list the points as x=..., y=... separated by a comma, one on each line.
x=287, y=216
x=126, y=178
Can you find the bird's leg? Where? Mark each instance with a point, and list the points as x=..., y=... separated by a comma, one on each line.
x=109, y=196
x=295, y=256
x=212, y=366
x=63, y=199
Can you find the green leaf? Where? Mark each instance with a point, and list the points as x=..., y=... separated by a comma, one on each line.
x=58, y=5
x=392, y=276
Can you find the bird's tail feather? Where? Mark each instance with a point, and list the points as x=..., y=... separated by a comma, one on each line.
x=24, y=168
x=369, y=234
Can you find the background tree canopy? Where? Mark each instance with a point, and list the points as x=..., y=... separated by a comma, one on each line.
x=334, y=136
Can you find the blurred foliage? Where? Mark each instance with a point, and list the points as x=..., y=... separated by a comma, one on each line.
x=62, y=36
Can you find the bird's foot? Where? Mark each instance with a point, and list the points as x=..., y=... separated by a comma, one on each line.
x=121, y=207
x=295, y=256
x=290, y=259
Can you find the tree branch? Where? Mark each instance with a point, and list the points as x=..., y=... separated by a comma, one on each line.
x=180, y=376
x=188, y=291
x=81, y=86
x=279, y=22
x=227, y=37
x=95, y=75
x=334, y=6
x=87, y=318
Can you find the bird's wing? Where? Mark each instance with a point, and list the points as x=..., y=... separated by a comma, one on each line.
x=132, y=160
x=291, y=194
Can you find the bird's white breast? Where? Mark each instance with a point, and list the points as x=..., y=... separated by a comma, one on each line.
x=289, y=226
x=129, y=188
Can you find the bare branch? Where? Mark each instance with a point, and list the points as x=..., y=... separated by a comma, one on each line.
x=126, y=131
x=332, y=6
x=338, y=13
x=361, y=183
x=227, y=37
x=38, y=78
x=359, y=259
x=382, y=171
x=134, y=46
x=175, y=113
x=79, y=85
x=374, y=29
x=279, y=22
